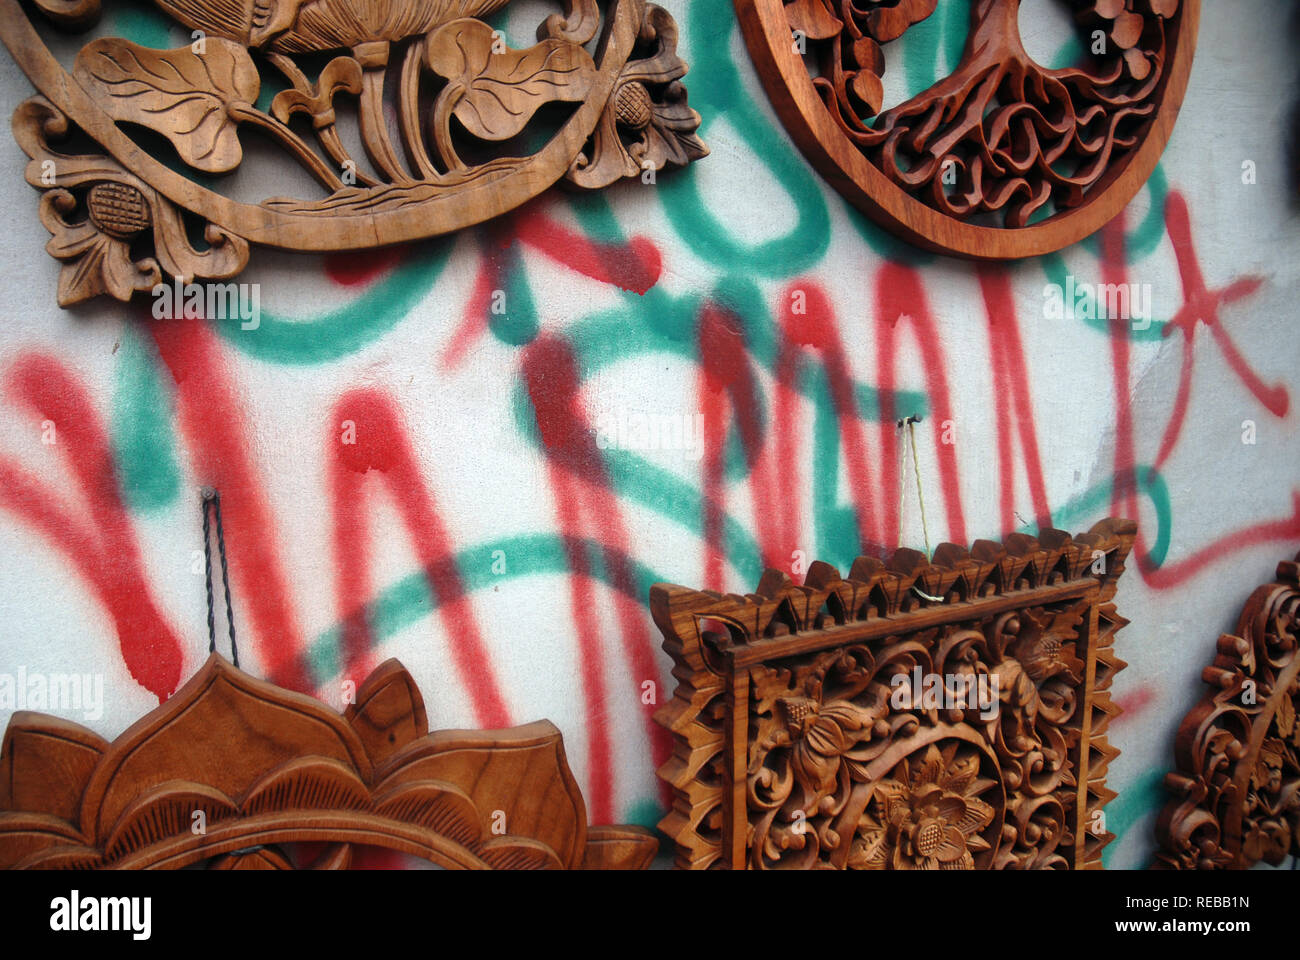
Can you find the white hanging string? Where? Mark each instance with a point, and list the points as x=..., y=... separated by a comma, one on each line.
x=908, y=426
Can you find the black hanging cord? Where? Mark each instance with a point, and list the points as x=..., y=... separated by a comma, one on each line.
x=212, y=497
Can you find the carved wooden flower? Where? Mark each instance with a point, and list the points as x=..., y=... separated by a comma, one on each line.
x=96, y=252
x=647, y=124
x=1267, y=775
x=267, y=766
x=823, y=737
x=927, y=815
x=302, y=26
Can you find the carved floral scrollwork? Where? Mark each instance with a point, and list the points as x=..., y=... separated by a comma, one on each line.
x=882, y=731
x=471, y=112
x=97, y=212
x=927, y=814
x=823, y=728
x=1236, y=789
x=646, y=124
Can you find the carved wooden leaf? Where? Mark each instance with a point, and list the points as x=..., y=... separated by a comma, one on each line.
x=181, y=94
x=813, y=19
x=503, y=90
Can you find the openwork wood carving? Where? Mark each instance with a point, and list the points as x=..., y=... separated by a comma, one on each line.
x=1004, y=158
x=470, y=111
x=1236, y=788
x=259, y=766
x=916, y=715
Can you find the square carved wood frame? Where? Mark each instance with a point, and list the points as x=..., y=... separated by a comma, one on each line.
x=914, y=715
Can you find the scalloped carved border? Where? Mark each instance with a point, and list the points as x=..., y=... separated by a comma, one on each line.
x=255, y=765
x=782, y=702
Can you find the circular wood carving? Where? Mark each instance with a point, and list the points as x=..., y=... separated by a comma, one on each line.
x=1002, y=159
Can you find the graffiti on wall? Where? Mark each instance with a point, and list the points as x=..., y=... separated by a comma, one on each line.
x=789, y=443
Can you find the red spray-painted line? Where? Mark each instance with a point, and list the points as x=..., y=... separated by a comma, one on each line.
x=352, y=553
x=1200, y=304
x=474, y=319
x=105, y=551
x=1286, y=529
x=780, y=455
x=1009, y=366
x=551, y=375
x=900, y=294
x=713, y=409
x=1133, y=704
x=359, y=267
x=727, y=380
x=816, y=328
x=591, y=653
x=383, y=445
x=785, y=449
x=495, y=244
x=634, y=266
x=1125, y=488
x=210, y=417
x=148, y=644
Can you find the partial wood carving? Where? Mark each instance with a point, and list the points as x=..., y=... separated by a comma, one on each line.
x=1236, y=789
x=1004, y=158
x=467, y=107
x=914, y=715
x=232, y=766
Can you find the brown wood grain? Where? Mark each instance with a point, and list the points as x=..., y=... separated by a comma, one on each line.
x=629, y=119
x=865, y=160
x=231, y=767
x=791, y=753
x=1235, y=789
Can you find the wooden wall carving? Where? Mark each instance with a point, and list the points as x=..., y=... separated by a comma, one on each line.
x=267, y=766
x=1236, y=786
x=466, y=106
x=972, y=165
x=791, y=751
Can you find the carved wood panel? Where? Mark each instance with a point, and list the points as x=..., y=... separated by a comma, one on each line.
x=1236, y=786
x=914, y=715
x=1004, y=158
x=470, y=112
x=232, y=766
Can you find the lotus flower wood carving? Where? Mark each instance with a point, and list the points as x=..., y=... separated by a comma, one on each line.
x=470, y=112
x=263, y=767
